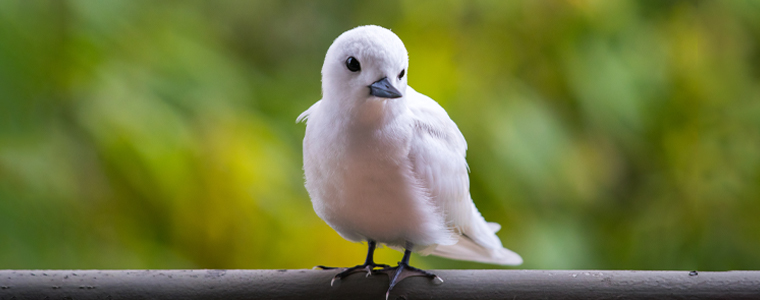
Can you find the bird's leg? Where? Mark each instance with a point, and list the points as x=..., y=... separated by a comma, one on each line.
x=368, y=266
x=404, y=270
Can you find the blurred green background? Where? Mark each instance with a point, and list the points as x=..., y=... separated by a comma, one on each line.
x=162, y=134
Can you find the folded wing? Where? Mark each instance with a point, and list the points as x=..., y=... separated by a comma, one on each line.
x=438, y=159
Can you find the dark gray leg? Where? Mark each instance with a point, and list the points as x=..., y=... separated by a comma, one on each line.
x=404, y=270
x=368, y=266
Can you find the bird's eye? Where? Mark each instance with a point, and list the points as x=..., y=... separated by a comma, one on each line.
x=353, y=64
x=401, y=75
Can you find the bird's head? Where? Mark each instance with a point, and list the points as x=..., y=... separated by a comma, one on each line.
x=365, y=63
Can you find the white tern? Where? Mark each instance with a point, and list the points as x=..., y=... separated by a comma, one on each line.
x=385, y=164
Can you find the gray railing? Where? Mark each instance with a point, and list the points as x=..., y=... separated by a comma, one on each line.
x=315, y=284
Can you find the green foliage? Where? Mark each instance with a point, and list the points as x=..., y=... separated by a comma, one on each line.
x=602, y=134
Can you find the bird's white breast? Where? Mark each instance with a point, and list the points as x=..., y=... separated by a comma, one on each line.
x=361, y=182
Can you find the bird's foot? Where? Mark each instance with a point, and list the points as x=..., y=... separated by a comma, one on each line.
x=404, y=270
x=369, y=268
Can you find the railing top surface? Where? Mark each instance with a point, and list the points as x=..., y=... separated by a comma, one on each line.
x=315, y=284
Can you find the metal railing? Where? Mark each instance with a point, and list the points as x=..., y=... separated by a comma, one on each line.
x=315, y=284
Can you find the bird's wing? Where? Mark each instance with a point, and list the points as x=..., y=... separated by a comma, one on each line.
x=438, y=158
x=437, y=155
x=305, y=115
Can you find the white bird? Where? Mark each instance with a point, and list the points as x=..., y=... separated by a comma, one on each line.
x=385, y=164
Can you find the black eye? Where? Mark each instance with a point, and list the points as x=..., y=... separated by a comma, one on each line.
x=401, y=75
x=353, y=64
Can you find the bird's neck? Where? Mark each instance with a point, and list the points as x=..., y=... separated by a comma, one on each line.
x=378, y=113
x=366, y=113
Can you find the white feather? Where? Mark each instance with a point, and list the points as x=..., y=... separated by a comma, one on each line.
x=438, y=156
x=391, y=170
x=305, y=115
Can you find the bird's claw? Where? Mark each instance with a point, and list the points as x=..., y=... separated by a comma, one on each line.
x=369, y=268
x=404, y=270
x=438, y=279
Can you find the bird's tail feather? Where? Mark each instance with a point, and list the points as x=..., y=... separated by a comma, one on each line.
x=467, y=249
x=479, y=243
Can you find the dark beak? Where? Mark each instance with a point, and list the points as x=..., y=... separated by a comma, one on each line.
x=383, y=89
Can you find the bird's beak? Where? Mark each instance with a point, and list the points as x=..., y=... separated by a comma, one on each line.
x=384, y=89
